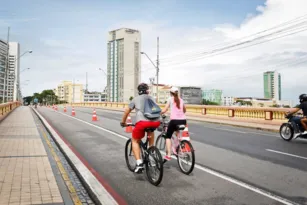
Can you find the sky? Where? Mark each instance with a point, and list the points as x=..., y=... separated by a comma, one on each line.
x=69, y=38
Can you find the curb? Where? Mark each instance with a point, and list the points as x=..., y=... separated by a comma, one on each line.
x=97, y=191
x=198, y=120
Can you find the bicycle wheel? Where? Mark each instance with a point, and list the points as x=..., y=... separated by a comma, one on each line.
x=154, y=161
x=182, y=151
x=129, y=153
x=161, y=142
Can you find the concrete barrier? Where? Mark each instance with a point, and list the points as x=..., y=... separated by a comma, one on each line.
x=6, y=108
x=267, y=114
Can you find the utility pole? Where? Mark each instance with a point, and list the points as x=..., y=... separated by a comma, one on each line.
x=152, y=80
x=158, y=69
x=86, y=84
x=73, y=91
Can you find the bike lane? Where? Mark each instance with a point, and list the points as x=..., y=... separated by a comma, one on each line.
x=104, y=152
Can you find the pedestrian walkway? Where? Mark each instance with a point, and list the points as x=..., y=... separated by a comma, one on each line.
x=26, y=176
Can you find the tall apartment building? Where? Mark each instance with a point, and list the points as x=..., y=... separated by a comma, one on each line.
x=13, y=80
x=272, y=85
x=3, y=65
x=213, y=95
x=70, y=92
x=123, y=64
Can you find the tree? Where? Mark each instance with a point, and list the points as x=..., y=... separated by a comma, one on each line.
x=131, y=98
x=27, y=100
x=208, y=102
x=242, y=102
x=46, y=97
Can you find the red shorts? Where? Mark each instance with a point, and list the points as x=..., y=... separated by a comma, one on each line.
x=139, y=129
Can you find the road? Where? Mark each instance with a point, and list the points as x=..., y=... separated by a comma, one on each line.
x=234, y=165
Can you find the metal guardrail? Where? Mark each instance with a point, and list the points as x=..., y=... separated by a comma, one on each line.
x=209, y=110
x=6, y=108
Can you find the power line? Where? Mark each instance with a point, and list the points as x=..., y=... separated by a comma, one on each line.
x=239, y=39
x=227, y=51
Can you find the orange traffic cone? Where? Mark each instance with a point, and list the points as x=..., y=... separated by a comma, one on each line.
x=53, y=106
x=65, y=109
x=185, y=132
x=129, y=128
x=94, y=117
x=73, y=113
x=186, y=136
x=56, y=108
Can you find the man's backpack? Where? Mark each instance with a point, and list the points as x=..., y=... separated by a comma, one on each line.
x=151, y=109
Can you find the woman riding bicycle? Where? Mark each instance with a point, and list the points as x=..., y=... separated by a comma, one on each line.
x=177, y=117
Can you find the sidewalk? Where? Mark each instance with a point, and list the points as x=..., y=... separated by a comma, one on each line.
x=26, y=176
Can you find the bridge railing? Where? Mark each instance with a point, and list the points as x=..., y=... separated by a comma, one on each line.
x=6, y=108
x=207, y=110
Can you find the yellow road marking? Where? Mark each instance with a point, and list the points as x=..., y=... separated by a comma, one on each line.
x=71, y=188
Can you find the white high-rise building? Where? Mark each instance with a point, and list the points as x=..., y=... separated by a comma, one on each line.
x=13, y=80
x=123, y=64
x=3, y=66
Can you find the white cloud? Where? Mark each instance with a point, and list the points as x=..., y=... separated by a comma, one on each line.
x=86, y=52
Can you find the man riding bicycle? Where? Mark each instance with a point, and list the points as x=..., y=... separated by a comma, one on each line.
x=303, y=107
x=142, y=122
x=35, y=101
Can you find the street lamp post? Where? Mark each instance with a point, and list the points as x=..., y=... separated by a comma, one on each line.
x=105, y=75
x=157, y=74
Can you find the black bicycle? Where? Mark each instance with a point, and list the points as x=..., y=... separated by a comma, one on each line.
x=185, y=152
x=151, y=156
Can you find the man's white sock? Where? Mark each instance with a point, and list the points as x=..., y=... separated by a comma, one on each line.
x=139, y=161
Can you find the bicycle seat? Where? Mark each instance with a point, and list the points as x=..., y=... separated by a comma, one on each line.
x=180, y=127
x=150, y=129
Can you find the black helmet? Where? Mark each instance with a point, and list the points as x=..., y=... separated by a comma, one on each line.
x=303, y=97
x=142, y=88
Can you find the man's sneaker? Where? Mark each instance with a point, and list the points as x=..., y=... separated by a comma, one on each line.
x=139, y=168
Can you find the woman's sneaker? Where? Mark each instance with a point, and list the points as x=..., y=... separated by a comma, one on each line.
x=167, y=158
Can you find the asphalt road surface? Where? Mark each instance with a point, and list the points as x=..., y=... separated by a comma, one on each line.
x=234, y=165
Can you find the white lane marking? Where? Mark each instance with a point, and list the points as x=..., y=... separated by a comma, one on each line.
x=238, y=131
x=288, y=154
x=99, y=191
x=207, y=170
x=225, y=129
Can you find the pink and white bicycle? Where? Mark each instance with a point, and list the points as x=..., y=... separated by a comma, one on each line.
x=181, y=147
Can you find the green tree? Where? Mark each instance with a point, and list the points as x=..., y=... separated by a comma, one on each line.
x=208, y=102
x=46, y=97
x=27, y=100
x=131, y=98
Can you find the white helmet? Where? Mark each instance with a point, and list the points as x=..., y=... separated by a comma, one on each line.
x=174, y=89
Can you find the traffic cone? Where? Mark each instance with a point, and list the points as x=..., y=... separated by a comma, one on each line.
x=185, y=132
x=65, y=109
x=129, y=128
x=94, y=117
x=186, y=136
x=73, y=113
x=53, y=106
x=56, y=108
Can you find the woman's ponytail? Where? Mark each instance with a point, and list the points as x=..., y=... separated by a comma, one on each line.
x=176, y=99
